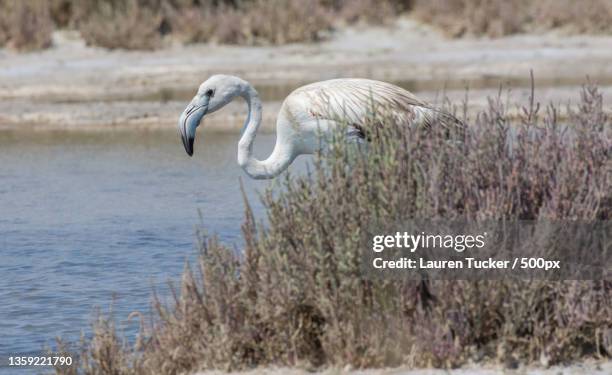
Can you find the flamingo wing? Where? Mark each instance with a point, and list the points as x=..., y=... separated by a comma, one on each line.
x=355, y=101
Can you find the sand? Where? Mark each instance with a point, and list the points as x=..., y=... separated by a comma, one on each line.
x=72, y=86
x=590, y=368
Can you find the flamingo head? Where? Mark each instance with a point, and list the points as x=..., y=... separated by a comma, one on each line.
x=213, y=94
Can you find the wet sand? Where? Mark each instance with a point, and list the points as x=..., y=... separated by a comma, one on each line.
x=71, y=86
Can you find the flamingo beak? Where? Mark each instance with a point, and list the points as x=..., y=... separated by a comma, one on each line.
x=188, y=122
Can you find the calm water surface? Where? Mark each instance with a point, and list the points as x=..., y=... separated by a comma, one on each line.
x=91, y=218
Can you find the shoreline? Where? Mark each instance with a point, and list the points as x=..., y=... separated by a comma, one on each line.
x=75, y=87
x=584, y=368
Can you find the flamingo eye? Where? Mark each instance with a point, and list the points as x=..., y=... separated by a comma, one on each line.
x=209, y=93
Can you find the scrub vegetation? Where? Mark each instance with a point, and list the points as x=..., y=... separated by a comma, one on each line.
x=295, y=294
x=25, y=25
x=150, y=24
x=497, y=18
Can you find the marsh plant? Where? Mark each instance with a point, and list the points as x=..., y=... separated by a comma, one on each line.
x=497, y=18
x=149, y=24
x=25, y=25
x=294, y=295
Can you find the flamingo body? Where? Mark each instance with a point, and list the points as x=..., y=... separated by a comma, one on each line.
x=307, y=114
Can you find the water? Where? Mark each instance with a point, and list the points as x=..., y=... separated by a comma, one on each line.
x=276, y=92
x=91, y=218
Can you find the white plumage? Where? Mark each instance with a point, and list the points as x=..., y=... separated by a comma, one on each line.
x=306, y=114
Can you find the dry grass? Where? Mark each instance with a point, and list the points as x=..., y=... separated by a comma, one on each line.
x=25, y=25
x=143, y=24
x=592, y=16
x=498, y=18
x=256, y=22
x=147, y=24
x=295, y=296
x=369, y=11
x=122, y=24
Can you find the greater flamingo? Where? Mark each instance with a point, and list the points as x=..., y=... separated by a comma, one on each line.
x=306, y=114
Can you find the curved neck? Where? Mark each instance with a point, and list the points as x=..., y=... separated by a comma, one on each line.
x=281, y=156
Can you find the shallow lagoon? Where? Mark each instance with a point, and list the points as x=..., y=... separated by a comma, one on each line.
x=98, y=219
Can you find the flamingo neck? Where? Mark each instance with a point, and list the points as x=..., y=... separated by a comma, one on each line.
x=280, y=158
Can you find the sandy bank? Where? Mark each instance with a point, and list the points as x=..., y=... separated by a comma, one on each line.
x=577, y=369
x=73, y=86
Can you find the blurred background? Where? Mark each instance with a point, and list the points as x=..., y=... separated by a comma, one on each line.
x=151, y=24
x=98, y=201
x=86, y=62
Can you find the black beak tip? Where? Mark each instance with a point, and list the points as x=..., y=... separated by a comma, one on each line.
x=189, y=147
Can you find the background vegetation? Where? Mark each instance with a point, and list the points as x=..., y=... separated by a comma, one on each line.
x=149, y=24
x=295, y=294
